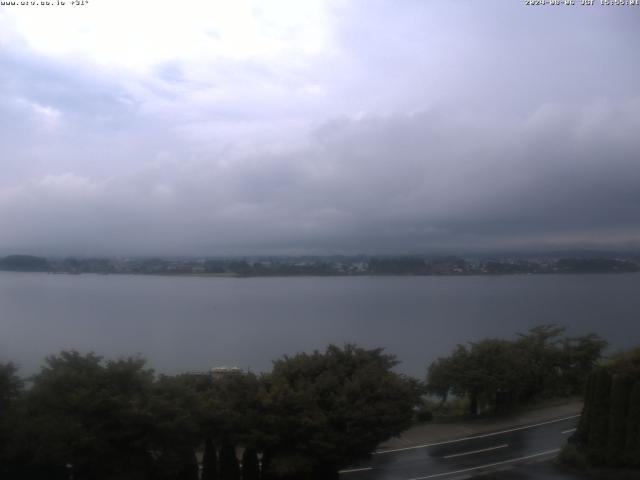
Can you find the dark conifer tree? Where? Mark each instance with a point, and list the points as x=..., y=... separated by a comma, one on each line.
x=209, y=461
x=250, y=468
x=632, y=443
x=190, y=467
x=266, y=472
x=620, y=395
x=584, y=424
x=229, y=467
x=599, y=413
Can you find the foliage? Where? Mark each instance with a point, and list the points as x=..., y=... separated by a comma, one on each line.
x=609, y=430
x=497, y=375
x=10, y=392
x=328, y=409
x=24, y=263
x=89, y=415
x=229, y=409
x=10, y=385
x=97, y=419
x=175, y=431
x=424, y=412
x=311, y=415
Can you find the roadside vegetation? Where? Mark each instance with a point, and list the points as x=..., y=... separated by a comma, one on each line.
x=82, y=417
x=496, y=376
x=609, y=431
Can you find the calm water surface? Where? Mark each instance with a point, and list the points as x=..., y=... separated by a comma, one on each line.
x=188, y=323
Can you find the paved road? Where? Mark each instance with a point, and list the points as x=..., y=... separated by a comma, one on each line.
x=465, y=457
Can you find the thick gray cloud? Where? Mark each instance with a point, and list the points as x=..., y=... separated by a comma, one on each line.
x=423, y=126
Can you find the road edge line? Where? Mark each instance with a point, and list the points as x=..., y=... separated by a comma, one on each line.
x=489, y=465
x=484, y=435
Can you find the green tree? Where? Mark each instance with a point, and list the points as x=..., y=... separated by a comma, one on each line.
x=486, y=372
x=175, y=433
x=325, y=410
x=10, y=385
x=90, y=416
x=228, y=411
x=10, y=420
x=579, y=356
x=499, y=374
x=540, y=351
x=24, y=263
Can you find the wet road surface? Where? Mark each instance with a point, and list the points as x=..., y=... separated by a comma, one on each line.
x=466, y=457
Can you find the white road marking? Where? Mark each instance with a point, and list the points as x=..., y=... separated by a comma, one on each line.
x=489, y=465
x=492, y=434
x=504, y=445
x=354, y=470
x=569, y=431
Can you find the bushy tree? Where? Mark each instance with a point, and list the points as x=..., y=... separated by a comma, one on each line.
x=579, y=356
x=10, y=385
x=541, y=354
x=97, y=419
x=499, y=374
x=328, y=409
x=229, y=407
x=10, y=392
x=486, y=372
x=90, y=416
x=175, y=433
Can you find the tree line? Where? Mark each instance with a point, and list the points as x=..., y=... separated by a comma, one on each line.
x=496, y=375
x=320, y=266
x=84, y=417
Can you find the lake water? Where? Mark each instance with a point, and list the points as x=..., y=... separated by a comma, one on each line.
x=190, y=323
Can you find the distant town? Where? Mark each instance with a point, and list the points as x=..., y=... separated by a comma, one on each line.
x=326, y=265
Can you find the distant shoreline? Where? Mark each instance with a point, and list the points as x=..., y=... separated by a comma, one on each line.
x=336, y=275
x=330, y=266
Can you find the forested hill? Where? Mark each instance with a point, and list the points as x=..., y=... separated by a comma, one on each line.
x=24, y=263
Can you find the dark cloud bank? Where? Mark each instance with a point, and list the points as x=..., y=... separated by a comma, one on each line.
x=408, y=183
x=96, y=163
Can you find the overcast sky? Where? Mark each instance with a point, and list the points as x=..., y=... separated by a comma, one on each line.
x=236, y=127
